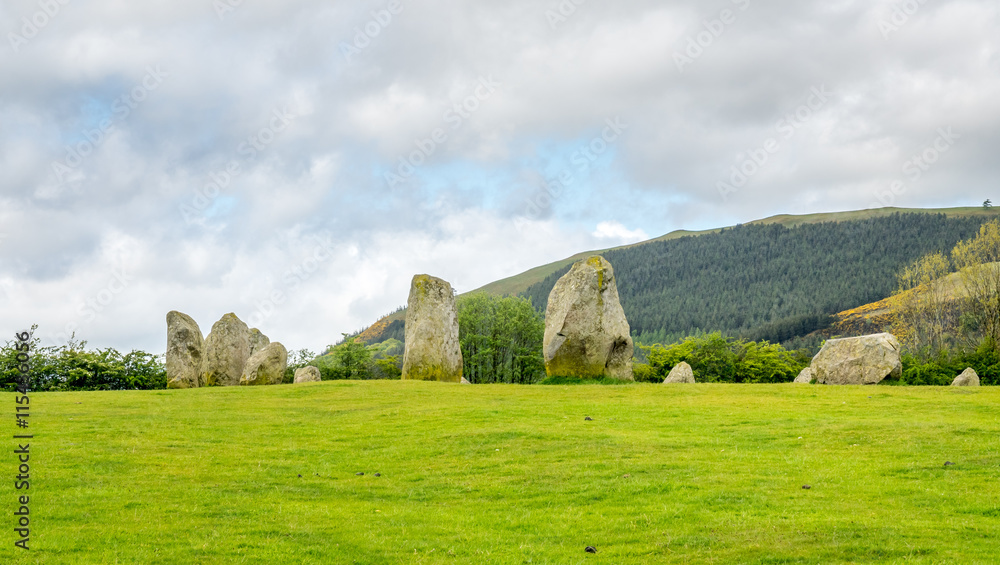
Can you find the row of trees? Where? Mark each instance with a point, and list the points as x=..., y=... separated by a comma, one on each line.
x=716, y=358
x=501, y=339
x=72, y=367
x=937, y=313
x=768, y=282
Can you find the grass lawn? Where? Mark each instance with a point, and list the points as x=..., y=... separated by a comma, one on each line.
x=512, y=474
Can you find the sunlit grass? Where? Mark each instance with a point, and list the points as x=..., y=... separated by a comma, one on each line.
x=514, y=474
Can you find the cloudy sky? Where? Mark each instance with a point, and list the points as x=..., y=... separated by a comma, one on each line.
x=296, y=162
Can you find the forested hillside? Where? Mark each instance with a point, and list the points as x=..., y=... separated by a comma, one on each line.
x=768, y=281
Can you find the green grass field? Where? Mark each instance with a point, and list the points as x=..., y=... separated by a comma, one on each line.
x=512, y=474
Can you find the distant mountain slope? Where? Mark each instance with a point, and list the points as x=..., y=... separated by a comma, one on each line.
x=670, y=284
x=519, y=283
x=768, y=275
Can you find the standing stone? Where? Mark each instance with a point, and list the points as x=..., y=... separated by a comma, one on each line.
x=967, y=378
x=586, y=333
x=227, y=350
x=185, y=351
x=308, y=374
x=266, y=367
x=806, y=376
x=258, y=340
x=681, y=373
x=432, y=351
x=865, y=360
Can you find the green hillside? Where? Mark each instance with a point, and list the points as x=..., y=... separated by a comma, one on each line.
x=519, y=283
x=768, y=276
x=670, y=287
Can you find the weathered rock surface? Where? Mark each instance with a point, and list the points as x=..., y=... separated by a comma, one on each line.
x=806, y=376
x=185, y=351
x=865, y=360
x=266, y=367
x=967, y=378
x=308, y=374
x=681, y=373
x=227, y=349
x=432, y=351
x=258, y=340
x=586, y=333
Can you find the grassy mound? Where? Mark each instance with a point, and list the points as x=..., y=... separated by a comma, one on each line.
x=514, y=474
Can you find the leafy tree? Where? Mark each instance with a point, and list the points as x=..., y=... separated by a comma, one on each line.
x=715, y=358
x=978, y=261
x=72, y=367
x=501, y=339
x=921, y=312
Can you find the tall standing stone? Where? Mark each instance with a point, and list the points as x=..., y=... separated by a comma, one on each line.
x=586, y=333
x=266, y=366
x=227, y=350
x=432, y=351
x=185, y=351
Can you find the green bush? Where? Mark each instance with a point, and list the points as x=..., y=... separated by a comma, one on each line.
x=645, y=373
x=715, y=358
x=72, y=367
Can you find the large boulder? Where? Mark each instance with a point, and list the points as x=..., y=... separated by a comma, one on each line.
x=806, y=376
x=681, y=373
x=185, y=351
x=227, y=349
x=865, y=360
x=967, y=378
x=432, y=351
x=308, y=374
x=586, y=333
x=266, y=367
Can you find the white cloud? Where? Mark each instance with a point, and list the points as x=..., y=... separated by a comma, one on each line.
x=617, y=234
x=458, y=218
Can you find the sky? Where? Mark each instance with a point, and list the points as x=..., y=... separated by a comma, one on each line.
x=297, y=162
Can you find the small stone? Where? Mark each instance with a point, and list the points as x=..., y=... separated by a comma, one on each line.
x=300, y=476
x=591, y=549
x=378, y=474
x=626, y=476
x=806, y=487
x=359, y=474
x=681, y=373
x=589, y=419
x=948, y=463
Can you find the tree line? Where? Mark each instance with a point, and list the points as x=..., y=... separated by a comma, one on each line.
x=767, y=282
